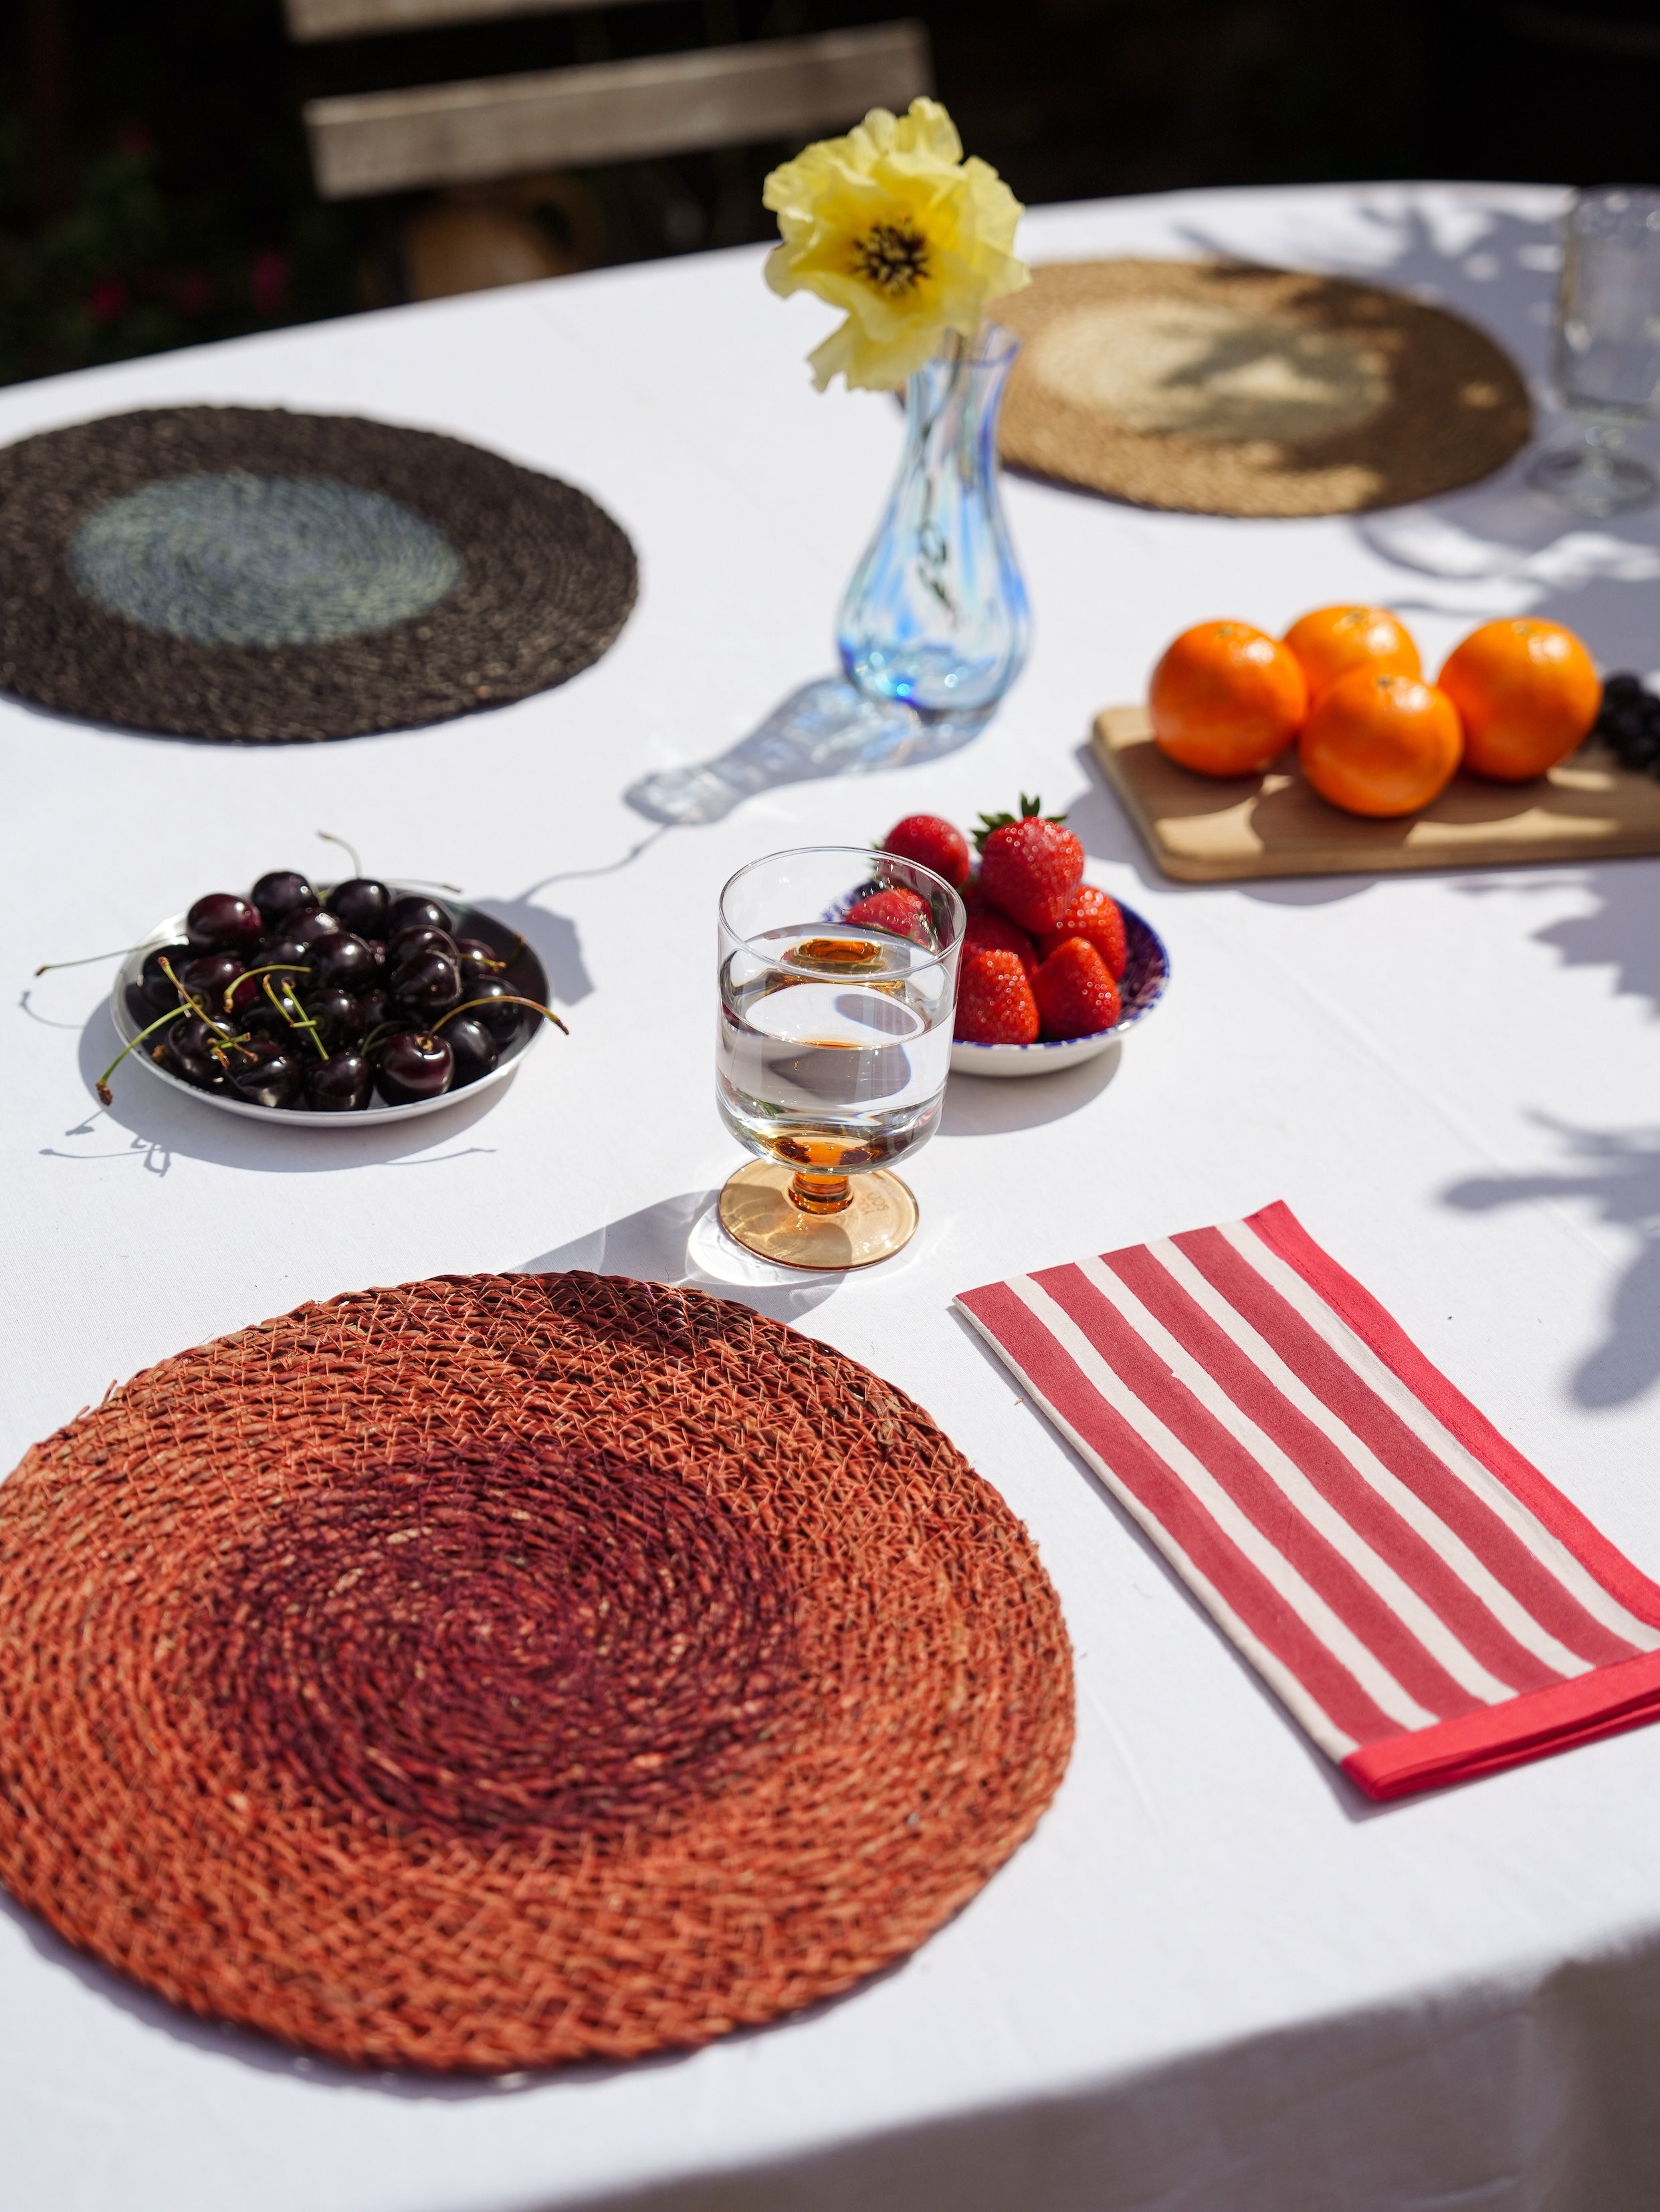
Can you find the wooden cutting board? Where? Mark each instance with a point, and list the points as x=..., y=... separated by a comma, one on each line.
x=1204, y=831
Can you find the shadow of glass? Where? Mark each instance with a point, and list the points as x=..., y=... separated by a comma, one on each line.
x=680, y=1241
x=990, y=1106
x=1618, y=1172
x=161, y=1122
x=825, y=729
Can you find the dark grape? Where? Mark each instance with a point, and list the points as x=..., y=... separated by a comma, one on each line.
x=339, y=1084
x=282, y=893
x=414, y=1065
x=221, y=922
x=475, y=1049
x=1620, y=688
x=360, y=903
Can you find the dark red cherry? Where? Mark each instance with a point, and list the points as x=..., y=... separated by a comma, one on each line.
x=361, y=902
x=159, y=994
x=282, y=893
x=339, y=1084
x=264, y=1073
x=337, y=1015
x=187, y=1049
x=375, y=1005
x=208, y=977
x=221, y=922
x=247, y=994
x=428, y=981
x=501, y=1020
x=422, y=937
x=478, y=959
x=378, y=946
x=345, y=963
x=414, y=1065
x=312, y=928
x=409, y=912
x=287, y=953
x=475, y=1049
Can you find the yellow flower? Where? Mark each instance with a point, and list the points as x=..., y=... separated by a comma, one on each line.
x=891, y=223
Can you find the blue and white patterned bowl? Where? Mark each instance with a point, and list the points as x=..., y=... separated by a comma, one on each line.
x=1147, y=973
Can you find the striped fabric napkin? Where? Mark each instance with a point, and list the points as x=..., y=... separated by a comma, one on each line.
x=1422, y=1599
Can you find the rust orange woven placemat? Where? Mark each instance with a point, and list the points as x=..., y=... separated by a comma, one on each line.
x=505, y=1669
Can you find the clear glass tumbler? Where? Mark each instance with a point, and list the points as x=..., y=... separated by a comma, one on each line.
x=1607, y=356
x=832, y=1050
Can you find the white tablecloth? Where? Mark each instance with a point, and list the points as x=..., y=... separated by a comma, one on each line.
x=1215, y=1980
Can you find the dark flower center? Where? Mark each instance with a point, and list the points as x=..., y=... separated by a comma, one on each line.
x=895, y=260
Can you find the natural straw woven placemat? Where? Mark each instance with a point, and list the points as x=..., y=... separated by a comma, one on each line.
x=505, y=1669
x=1222, y=389
x=246, y=573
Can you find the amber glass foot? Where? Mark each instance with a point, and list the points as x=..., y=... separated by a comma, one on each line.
x=818, y=1221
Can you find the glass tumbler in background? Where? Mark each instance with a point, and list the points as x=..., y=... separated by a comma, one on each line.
x=1606, y=363
x=832, y=1053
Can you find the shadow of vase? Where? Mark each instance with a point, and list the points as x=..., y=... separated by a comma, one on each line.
x=826, y=728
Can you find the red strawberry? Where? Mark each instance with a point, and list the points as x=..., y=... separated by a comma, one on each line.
x=1075, y=995
x=1029, y=867
x=1093, y=915
x=931, y=842
x=987, y=932
x=995, y=1005
x=899, y=911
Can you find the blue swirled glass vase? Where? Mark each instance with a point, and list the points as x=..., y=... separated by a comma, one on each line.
x=936, y=617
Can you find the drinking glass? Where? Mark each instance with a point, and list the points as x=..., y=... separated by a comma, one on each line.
x=1607, y=355
x=832, y=1051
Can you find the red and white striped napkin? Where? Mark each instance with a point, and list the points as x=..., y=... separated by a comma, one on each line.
x=1425, y=1603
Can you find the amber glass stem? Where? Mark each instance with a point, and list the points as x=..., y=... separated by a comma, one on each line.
x=821, y=1194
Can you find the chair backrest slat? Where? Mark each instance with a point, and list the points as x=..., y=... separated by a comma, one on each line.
x=450, y=134
x=309, y=20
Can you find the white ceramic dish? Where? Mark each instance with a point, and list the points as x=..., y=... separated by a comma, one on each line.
x=525, y=974
x=1146, y=977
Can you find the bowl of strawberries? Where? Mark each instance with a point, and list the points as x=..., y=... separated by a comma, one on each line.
x=1052, y=971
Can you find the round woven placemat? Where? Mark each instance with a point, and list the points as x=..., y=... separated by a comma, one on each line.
x=1218, y=388
x=505, y=1669
x=247, y=573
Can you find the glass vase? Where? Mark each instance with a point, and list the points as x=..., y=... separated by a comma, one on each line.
x=936, y=617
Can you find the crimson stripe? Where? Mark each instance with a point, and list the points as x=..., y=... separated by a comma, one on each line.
x=1604, y=1703
x=1336, y=1384
x=1284, y=1234
x=1252, y=1597
x=1414, y=1559
x=1319, y=1562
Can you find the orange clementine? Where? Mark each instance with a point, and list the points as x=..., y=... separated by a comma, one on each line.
x=1527, y=692
x=1333, y=639
x=1227, y=698
x=1380, y=743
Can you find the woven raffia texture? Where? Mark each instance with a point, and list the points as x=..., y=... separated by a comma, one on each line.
x=1218, y=388
x=249, y=575
x=506, y=1669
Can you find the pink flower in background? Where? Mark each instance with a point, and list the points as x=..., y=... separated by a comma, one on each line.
x=106, y=300
x=268, y=281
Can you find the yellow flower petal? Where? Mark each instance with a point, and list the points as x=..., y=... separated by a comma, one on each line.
x=892, y=225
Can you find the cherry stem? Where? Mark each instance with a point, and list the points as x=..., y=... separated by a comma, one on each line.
x=329, y=838
x=507, y=998
x=272, y=968
x=200, y=1012
x=298, y=1020
x=91, y=960
x=102, y=1085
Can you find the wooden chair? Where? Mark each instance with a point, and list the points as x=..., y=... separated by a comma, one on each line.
x=498, y=127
